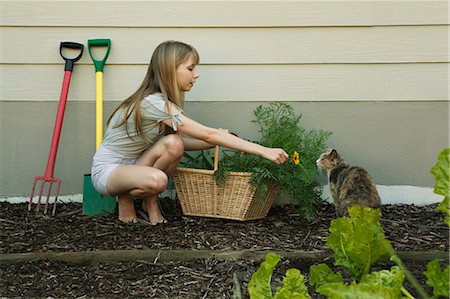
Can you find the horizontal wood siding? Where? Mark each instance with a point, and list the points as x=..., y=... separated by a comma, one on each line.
x=318, y=45
x=326, y=82
x=222, y=13
x=250, y=50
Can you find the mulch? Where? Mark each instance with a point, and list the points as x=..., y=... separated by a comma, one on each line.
x=410, y=228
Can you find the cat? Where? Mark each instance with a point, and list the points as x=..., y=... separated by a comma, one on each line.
x=349, y=185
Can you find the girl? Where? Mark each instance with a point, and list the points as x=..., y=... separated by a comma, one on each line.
x=145, y=135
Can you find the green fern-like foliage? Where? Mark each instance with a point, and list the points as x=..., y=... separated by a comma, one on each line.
x=280, y=127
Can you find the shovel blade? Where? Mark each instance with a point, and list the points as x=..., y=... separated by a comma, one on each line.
x=94, y=203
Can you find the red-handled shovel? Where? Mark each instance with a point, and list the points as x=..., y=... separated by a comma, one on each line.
x=48, y=175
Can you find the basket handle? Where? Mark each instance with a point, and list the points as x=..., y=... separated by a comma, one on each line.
x=216, y=153
x=216, y=158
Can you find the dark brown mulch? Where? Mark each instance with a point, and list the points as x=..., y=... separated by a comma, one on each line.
x=409, y=227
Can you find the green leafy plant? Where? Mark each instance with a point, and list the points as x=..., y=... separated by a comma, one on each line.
x=441, y=172
x=383, y=284
x=438, y=279
x=358, y=242
x=198, y=159
x=280, y=126
x=293, y=283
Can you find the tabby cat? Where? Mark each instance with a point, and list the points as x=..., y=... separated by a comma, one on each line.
x=349, y=185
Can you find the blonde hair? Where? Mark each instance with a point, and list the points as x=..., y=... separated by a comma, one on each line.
x=160, y=77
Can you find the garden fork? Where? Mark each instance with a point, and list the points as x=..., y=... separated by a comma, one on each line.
x=48, y=177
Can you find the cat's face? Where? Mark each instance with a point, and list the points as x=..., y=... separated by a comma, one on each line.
x=329, y=160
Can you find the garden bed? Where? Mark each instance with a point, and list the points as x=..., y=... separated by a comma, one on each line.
x=410, y=228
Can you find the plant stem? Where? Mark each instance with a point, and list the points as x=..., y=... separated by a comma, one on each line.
x=412, y=279
x=406, y=293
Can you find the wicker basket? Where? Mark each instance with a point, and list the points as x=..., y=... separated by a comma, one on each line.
x=199, y=195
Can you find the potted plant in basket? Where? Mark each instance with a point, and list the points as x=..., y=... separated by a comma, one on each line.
x=279, y=127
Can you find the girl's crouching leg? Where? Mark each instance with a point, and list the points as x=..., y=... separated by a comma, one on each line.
x=172, y=154
x=127, y=212
x=151, y=207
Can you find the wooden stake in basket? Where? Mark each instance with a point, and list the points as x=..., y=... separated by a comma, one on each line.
x=199, y=194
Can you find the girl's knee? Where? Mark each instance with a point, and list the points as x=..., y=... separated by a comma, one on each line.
x=155, y=181
x=174, y=145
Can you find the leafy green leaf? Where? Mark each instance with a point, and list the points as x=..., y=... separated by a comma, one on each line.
x=382, y=284
x=293, y=286
x=437, y=279
x=259, y=286
x=441, y=172
x=358, y=241
x=321, y=274
x=391, y=279
x=359, y=291
x=444, y=206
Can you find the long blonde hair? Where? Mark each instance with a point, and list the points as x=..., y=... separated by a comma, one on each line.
x=160, y=77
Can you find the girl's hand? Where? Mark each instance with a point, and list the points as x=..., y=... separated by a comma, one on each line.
x=276, y=155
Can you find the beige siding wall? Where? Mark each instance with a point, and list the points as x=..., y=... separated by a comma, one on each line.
x=373, y=72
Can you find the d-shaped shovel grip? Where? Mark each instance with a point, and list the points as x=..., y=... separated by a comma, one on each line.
x=70, y=61
x=101, y=42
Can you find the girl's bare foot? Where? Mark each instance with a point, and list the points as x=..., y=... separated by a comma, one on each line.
x=151, y=207
x=127, y=212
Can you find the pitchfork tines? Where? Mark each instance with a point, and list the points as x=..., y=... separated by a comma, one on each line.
x=43, y=180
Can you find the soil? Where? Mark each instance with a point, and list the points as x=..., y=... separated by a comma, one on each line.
x=410, y=228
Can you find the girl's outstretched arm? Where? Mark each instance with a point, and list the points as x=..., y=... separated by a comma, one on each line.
x=193, y=144
x=222, y=137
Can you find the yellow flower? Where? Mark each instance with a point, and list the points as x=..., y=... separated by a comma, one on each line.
x=296, y=158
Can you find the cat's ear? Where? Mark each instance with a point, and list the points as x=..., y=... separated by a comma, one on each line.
x=333, y=153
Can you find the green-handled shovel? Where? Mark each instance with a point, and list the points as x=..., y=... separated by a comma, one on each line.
x=94, y=203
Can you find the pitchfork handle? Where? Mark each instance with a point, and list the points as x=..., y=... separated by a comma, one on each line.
x=61, y=106
x=70, y=61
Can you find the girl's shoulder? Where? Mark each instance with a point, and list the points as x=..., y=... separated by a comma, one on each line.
x=155, y=99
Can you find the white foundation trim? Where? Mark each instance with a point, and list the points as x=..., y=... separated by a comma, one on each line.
x=402, y=194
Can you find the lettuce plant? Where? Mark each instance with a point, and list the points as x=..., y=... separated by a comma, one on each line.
x=293, y=283
x=384, y=284
x=348, y=252
x=438, y=279
x=358, y=242
x=441, y=172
